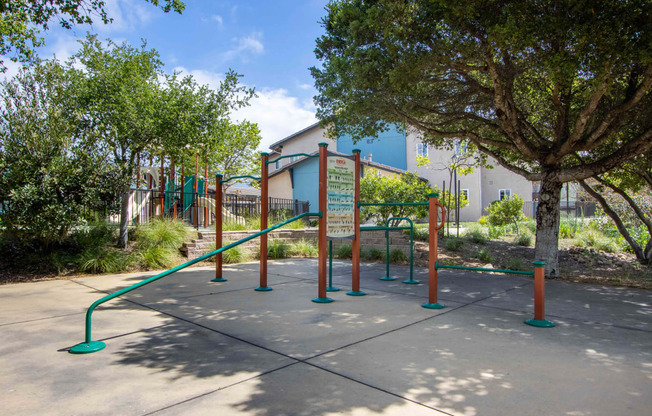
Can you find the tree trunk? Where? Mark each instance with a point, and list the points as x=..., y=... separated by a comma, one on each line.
x=124, y=219
x=547, y=238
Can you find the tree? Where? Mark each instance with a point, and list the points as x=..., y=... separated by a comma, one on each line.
x=22, y=20
x=234, y=150
x=506, y=211
x=532, y=84
x=396, y=188
x=51, y=175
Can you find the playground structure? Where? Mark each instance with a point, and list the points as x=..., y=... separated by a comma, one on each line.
x=339, y=204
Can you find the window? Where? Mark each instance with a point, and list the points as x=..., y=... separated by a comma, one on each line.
x=293, y=158
x=460, y=148
x=504, y=194
x=465, y=193
x=422, y=149
x=278, y=164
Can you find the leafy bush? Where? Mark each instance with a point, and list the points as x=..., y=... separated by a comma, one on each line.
x=483, y=220
x=477, y=236
x=397, y=256
x=278, y=249
x=371, y=254
x=162, y=232
x=506, y=211
x=524, y=239
x=515, y=264
x=530, y=225
x=103, y=260
x=237, y=254
x=453, y=244
x=345, y=251
x=304, y=248
x=569, y=228
x=496, y=232
x=484, y=255
x=420, y=234
x=594, y=238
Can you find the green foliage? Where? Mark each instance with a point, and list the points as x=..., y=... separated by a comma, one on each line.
x=405, y=188
x=477, y=236
x=506, y=211
x=568, y=228
x=484, y=255
x=103, y=260
x=158, y=257
x=371, y=254
x=515, y=264
x=234, y=149
x=591, y=237
x=453, y=244
x=237, y=254
x=304, y=248
x=524, y=239
x=278, y=249
x=161, y=232
x=496, y=232
x=397, y=256
x=421, y=234
x=345, y=251
x=531, y=225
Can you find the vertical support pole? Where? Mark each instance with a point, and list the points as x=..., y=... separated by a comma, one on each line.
x=218, y=229
x=162, y=183
x=150, y=211
x=196, y=189
x=539, y=297
x=411, y=280
x=323, y=182
x=139, y=193
x=173, y=191
x=355, y=246
x=387, y=277
x=330, y=287
x=206, y=193
x=432, y=253
x=457, y=213
x=264, y=211
x=183, y=192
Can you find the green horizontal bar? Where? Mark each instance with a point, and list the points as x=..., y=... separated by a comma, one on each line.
x=121, y=292
x=482, y=269
x=381, y=228
x=284, y=157
x=256, y=178
x=391, y=204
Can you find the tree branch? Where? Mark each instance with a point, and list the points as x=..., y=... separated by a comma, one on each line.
x=639, y=212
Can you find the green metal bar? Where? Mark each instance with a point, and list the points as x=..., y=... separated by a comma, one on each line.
x=482, y=269
x=392, y=204
x=285, y=157
x=411, y=227
x=387, y=254
x=381, y=228
x=256, y=178
x=183, y=266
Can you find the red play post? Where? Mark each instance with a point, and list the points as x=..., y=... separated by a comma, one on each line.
x=355, y=246
x=173, y=190
x=162, y=180
x=539, y=297
x=323, y=221
x=149, y=186
x=196, y=190
x=218, y=229
x=264, y=210
x=139, y=194
x=183, y=191
x=206, y=194
x=433, y=226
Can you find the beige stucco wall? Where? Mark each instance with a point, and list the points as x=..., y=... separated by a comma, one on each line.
x=493, y=180
x=307, y=142
x=280, y=186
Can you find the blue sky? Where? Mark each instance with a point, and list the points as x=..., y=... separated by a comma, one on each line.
x=271, y=43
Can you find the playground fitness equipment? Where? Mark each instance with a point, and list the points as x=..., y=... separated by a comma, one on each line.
x=89, y=345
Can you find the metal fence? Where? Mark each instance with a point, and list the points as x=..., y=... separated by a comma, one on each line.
x=577, y=209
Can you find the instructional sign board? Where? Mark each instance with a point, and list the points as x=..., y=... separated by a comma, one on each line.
x=340, y=195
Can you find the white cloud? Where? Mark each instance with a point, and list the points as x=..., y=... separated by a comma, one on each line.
x=217, y=18
x=203, y=77
x=244, y=47
x=12, y=68
x=127, y=15
x=305, y=86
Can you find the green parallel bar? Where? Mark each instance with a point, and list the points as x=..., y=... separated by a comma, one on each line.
x=411, y=227
x=482, y=269
x=284, y=157
x=256, y=178
x=392, y=204
x=183, y=266
x=381, y=228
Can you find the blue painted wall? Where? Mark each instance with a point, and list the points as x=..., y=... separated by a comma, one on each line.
x=388, y=148
x=306, y=182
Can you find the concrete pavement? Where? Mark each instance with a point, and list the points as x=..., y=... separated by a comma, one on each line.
x=186, y=346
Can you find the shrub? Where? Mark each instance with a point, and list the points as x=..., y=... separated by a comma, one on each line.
x=477, y=236
x=397, y=256
x=345, y=251
x=103, y=260
x=569, y=228
x=420, y=234
x=506, y=211
x=162, y=233
x=278, y=249
x=515, y=264
x=304, y=248
x=453, y=244
x=530, y=225
x=371, y=254
x=496, y=232
x=483, y=220
x=524, y=239
x=484, y=255
x=237, y=254
x=593, y=238
x=158, y=257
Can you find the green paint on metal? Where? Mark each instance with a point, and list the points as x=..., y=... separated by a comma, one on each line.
x=256, y=178
x=330, y=287
x=432, y=305
x=220, y=279
x=287, y=156
x=263, y=289
x=392, y=204
x=381, y=228
x=539, y=263
x=411, y=282
x=264, y=154
x=482, y=269
x=87, y=347
x=433, y=195
x=322, y=144
x=540, y=324
x=355, y=293
x=89, y=312
x=387, y=278
x=356, y=151
x=322, y=300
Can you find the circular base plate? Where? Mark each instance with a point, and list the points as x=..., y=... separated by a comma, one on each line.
x=322, y=300
x=411, y=282
x=221, y=279
x=432, y=305
x=540, y=324
x=387, y=278
x=87, y=347
x=332, y=289
x=355, y=293
x=263, y=289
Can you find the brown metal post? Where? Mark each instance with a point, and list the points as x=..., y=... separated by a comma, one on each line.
x=149, y=186
x=196, y=190
x=433, y=210
x=162, y=182
x=323, y=220
x=264, y=203
x=355, y=254
x=183, y=191
x=539, y=297
x=206, y=193
x=218, y=229
x=173, y=190
x=138, y=193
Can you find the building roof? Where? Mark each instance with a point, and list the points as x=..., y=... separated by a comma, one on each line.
x=273, y=146
x=363, y=162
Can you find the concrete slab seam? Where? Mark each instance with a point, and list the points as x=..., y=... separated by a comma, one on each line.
x=41, y=319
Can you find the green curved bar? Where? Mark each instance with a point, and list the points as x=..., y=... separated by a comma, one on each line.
x=240, y=177
x=267, y=162
x=411, y=228
x=121, y=292
x=482, y=269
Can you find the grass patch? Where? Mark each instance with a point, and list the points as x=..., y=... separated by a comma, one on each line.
x=237, y=254
x=158, y=257
x=484, y=255
x=477, y=236
x=345, y=251
x=162, y=233
x=278, y=249
x=524, y=239
x=304, y=248
x=453, y=244
x=496, y=232
x=420, y=234
x=103, y=260
x=397, y=256
x=515, y=264
x=371, y=254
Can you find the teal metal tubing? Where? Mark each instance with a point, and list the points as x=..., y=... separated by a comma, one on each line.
x=482, y=269
x=411, y=227
x=256, y=178
x=183, y=266
x=381, y=228
x=285, y=157
x=392, y=204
